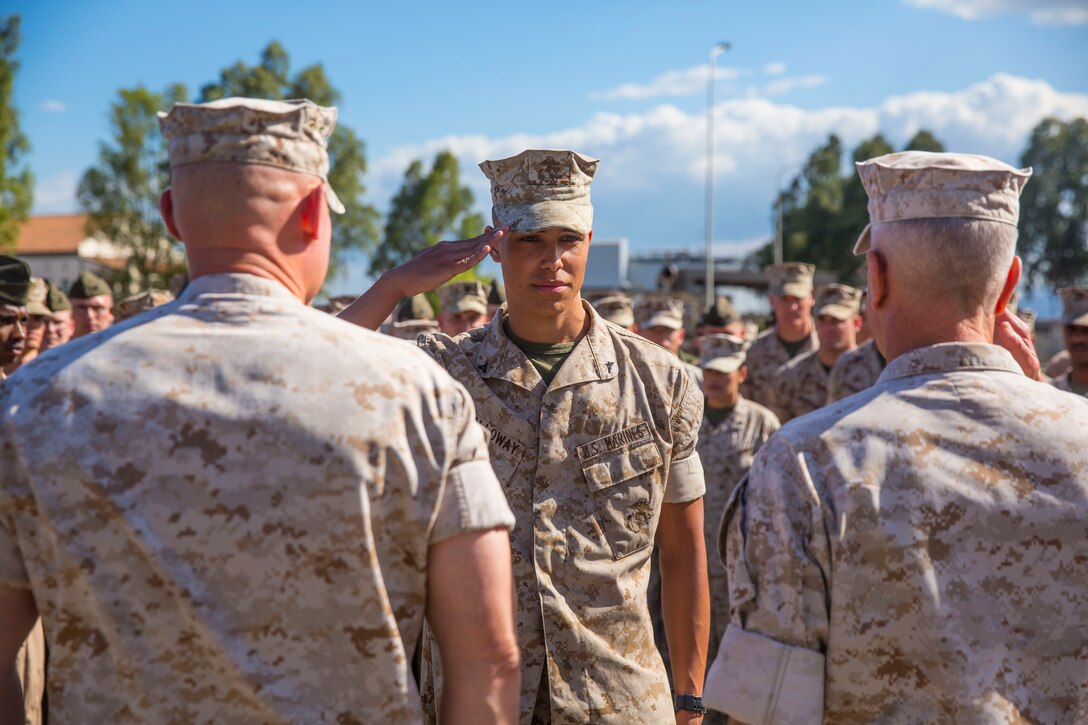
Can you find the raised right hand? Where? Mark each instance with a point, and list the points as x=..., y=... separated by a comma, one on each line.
x=438, y=264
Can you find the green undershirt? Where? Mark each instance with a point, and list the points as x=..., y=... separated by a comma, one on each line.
x=546, y=357
x=793, y=347
x=717, y=415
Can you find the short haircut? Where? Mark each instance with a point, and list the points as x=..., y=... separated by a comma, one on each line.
x=950, y=260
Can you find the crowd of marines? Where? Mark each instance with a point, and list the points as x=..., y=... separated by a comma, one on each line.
x=535, y=506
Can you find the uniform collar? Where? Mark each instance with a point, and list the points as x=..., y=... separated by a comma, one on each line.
x=593, y=358
x=238, y=284
x=950, y=357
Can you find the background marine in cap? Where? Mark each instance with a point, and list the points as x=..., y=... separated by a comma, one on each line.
x=238, y=534
x=721, y=318
x=1075, y=333
x=413, y=317
x=732, y=432
x=881, y=547
x=60, y=326
x=792, y=334
x=141, y=302
x=464, y=306
x=38, y=316
x=92, y=304
x=617, y=309
x=801, y=385
x=661, y=320
x=593, y=433
x=14, y=290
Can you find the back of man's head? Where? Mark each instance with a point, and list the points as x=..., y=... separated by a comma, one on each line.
x=249, y=187
x=942, y=234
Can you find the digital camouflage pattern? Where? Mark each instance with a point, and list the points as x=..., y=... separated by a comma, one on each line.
x=914, y=554
x=766, y=355
x=538, y=189
x=791, y=278
x=800, y=386
x=854, y=371
x=291, y=135
x=141, y=302
x=926, y=185
x=726, y=451
x=214, y=530
x=586, y=464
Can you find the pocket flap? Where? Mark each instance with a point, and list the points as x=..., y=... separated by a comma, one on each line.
x=621, y=464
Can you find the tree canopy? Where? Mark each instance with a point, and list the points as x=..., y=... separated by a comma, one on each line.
x=430, y=206
x=824, y=208
x=121, y=192
x=16, y=180
x=1054, y=205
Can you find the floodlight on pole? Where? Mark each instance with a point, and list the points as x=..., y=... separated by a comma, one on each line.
x=709, y=282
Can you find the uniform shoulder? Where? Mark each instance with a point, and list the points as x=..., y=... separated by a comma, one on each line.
x=441, y=346
x=803, y=360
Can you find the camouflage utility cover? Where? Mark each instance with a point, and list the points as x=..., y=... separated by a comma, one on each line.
x=914, y=554
x=854, y=371
x=538, y=189
x=765, y=356
x=214, y=530
x=800, y=386
x=726, y=451
x=792, y=278
x=586, y=464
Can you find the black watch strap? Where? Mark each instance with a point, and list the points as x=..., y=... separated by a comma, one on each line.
x=691, y=703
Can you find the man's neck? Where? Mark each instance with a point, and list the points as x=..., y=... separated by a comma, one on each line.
x=907, y=336
x=795, y=333
x=828, y=356
x=550, y=327
x=208, y=261
x=722, y=403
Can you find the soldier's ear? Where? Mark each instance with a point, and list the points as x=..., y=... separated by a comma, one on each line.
x=877, y=268
x=166, y=208
x=313, y=212
x=1012, y=278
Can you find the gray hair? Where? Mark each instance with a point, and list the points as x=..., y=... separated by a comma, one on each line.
x=952, y=260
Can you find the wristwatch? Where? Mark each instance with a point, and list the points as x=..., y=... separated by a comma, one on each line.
x=691, y=703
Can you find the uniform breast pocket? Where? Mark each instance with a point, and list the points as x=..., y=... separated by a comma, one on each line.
x=623, y=472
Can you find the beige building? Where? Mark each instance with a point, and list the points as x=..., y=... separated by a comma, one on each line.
x=58, y=248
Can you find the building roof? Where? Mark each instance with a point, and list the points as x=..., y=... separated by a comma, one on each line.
x=52, y=234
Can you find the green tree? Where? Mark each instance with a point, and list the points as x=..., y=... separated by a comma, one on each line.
x=16, y=181
x=357, y=230
x=824, y=208
x=121, y=193
x=1054, y=204
x=430, y=206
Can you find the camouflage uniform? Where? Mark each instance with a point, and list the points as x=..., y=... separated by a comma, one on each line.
x=586, y=464
x=854, y=371
x=283, y=590
x=800, y=387
x=726, y=451
x=880, y=565
x=766, y=355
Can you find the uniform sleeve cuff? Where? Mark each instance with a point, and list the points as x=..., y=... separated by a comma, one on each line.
x=762, y=681
x=473, y=501
x=685, y=482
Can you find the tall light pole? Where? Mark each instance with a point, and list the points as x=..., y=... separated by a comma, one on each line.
x=714, y=53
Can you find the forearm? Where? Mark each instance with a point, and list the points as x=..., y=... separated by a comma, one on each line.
x=485, y=692
x=685, y=602
x=372, y=307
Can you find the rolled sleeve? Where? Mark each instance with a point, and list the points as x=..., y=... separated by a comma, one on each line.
x=472, y=499
x=686, y=481
x=762, y=681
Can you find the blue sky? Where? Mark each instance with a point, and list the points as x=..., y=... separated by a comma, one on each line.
x=623, y=81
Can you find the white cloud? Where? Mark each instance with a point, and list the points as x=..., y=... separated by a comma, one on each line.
x=785, y=85
x=672, y=83
x=53, y=106
x=774, y=69
x=650, y=184
x=1041, y=12
x=57, y=194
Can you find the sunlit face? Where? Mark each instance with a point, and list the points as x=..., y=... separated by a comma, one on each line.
x=454, y=323
x=664, y=336
x=544, y=270
x=92, y=314
x=58, y=330
x=13, y=321
x=35, y=332
x=791, y=312
x=835, y=334
x=1076, y=342
x=723, y=389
